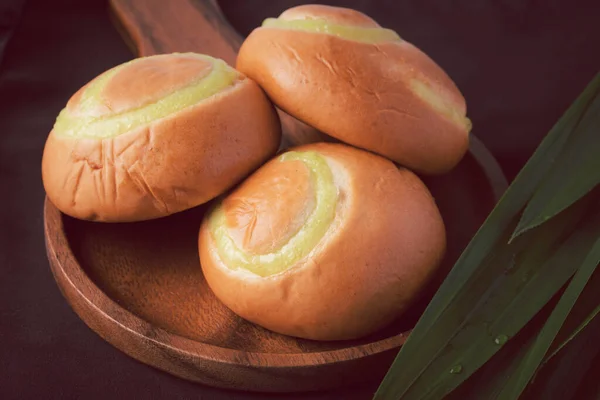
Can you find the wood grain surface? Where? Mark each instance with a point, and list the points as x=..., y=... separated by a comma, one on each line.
x=140, y=286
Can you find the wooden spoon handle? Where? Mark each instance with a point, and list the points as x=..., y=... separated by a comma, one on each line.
x=156, y=26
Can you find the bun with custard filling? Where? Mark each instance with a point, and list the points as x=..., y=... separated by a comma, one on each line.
x=155, y=136
x=325, y=242
x=341, y=72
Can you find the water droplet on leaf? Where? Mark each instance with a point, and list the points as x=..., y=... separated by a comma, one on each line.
x=457, y=369
x=501, y=339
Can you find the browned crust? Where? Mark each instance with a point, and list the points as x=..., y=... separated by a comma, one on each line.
x=170, y=165
x=364, y=274
x=359, y=94
x=149, y=79
x=265, y=210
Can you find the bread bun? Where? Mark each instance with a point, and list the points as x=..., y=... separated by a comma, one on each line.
x=339, y=71
x=155, y=136
x=325, y=242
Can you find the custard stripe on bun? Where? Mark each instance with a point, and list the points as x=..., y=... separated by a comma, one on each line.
x=429, y=91
x=86, y=122
x=359, y=34
x=339, y=71
x=361, y=30
x=156, y=136
x=302, y=242
x=336, y=15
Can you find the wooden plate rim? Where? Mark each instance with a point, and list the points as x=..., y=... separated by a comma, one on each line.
x=88, y=290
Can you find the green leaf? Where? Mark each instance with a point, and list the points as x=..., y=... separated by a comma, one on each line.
x=478, y=270
x=573, y=349
x=560, y=378
x=487, y=382
x=574, y=173
x=535, y=353
x=508, y=364
x=497, y=302
x=576, y=332
x=585, y=310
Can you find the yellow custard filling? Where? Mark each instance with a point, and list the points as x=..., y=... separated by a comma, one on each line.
x=302, y=242
x=359, y=34
x=430, y=96
x=100, y=127
x=371, y=35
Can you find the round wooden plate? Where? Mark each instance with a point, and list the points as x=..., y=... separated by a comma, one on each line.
x=141, y=288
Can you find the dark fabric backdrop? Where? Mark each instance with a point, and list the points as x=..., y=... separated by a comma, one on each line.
x=519, y=64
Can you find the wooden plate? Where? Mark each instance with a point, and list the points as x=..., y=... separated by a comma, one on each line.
x=140, y=286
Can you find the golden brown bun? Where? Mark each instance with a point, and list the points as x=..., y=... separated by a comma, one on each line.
x=169, y=164
x=361, y=93
x=383, y=245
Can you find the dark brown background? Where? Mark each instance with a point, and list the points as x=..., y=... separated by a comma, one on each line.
x=519, y=64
